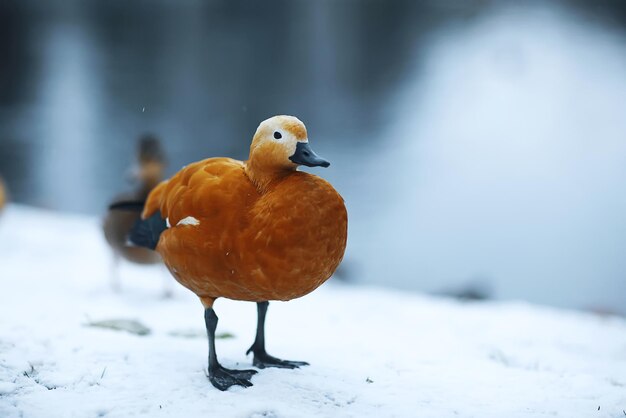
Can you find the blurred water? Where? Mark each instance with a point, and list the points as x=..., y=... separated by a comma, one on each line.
x=477, y=144
x=505, y=166
x=84, y=79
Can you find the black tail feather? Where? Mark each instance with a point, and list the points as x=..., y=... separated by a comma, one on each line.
x=146, y=232
x=127, y=205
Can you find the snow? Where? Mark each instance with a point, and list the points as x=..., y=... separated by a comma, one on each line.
x=373, y=352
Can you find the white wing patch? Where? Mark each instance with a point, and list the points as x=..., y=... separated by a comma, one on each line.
x=189, y=220
x=167, y=222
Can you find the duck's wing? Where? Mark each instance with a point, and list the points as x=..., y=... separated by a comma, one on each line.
x=213, y=189
x=153, y=202
x=204, y=207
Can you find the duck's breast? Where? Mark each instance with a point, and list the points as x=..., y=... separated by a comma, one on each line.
x=227, y=240
x=296, y=237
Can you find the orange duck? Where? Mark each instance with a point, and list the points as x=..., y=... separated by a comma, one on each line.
x=117, y=224
x=255, y=231
x=3, y=195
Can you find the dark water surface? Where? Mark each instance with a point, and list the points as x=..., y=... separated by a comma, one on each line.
x=80, y=80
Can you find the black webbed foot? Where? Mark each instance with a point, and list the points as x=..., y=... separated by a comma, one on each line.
x=223, y=378
x=242, y=374
x=263, y=360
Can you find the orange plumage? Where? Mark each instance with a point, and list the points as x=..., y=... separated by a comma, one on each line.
x=255, y=231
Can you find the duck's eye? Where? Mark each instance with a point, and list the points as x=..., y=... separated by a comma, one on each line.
x=277, y=135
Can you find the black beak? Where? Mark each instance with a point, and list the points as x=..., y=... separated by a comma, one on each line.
x=304, y=155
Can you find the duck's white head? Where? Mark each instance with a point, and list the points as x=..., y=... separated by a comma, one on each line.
x=281, y=143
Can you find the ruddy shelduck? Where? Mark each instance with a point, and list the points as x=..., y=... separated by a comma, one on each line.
x=3, y=195
x=148, y=173
x=257, y=231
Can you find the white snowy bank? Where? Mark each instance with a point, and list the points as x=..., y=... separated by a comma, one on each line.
x=373, y=352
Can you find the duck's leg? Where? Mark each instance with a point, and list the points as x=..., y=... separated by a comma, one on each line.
x=221, y=377
x=261, y=358
x=115, y=273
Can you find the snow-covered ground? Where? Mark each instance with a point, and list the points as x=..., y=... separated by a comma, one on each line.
x=373, y=352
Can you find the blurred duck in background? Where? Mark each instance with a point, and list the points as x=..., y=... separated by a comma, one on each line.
x=117, y=224
x=3, y=195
